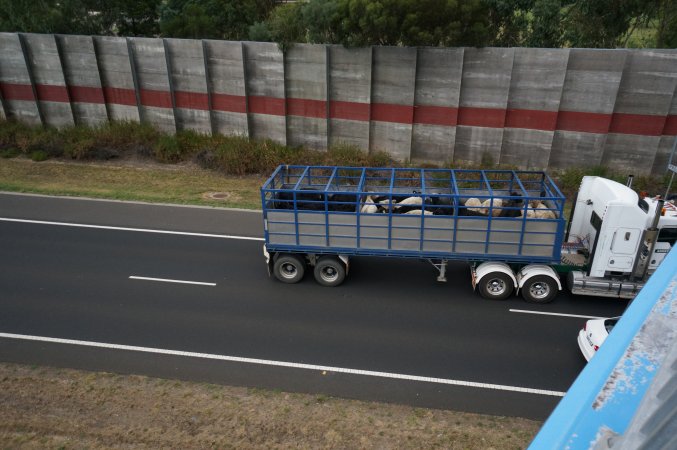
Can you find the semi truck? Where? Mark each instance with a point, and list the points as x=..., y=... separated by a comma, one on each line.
x=508, y=225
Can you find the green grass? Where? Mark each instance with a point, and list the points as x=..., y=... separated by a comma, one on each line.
x=182, y=185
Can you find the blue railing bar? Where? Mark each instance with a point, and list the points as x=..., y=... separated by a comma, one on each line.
x=594, y=401
x=333, y=175
x=296, y=186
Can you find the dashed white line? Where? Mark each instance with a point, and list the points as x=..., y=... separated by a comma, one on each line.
x=578, y=316
x=141, y=230
x=168, y=280
x=285, y=364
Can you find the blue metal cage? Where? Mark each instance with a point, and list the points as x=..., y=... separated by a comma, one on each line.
x=515, y=215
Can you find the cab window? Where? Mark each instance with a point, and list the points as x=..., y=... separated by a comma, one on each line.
x=668, y=235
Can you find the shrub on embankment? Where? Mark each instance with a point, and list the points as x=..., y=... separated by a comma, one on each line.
x=232, y=155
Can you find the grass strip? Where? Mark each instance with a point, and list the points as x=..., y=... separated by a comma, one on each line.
x=156, y=183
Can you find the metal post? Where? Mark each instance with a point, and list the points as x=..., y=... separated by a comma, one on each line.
x=671, y=167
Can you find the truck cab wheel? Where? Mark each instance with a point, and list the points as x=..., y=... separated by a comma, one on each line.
x=289, y=268
x=329, y=271
x=496, y=286
x=540, y=289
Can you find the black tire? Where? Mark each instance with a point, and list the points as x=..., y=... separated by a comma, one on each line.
x=289, y=268
x=540, y=289
x=496, y=286
x=329, y=271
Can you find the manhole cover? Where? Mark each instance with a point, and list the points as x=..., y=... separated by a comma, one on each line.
x=223, y=196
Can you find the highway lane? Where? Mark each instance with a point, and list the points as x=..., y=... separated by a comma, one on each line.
x=390, y=316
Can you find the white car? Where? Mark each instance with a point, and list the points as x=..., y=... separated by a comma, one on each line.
x=593, y=334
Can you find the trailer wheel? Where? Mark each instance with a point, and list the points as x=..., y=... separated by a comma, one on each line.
x=289, y=268
x=540, y=289
x=496, y=286
x=329, y=271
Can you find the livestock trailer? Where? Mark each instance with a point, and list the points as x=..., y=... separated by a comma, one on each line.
x=320, y=216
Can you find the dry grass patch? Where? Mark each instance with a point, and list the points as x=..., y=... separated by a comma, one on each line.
x=63, y=408
x=133, y=180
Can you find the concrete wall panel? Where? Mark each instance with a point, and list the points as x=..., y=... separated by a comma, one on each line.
x=82, y=77
x=15, y=82
x=264, y=68
x=485, y=86
x=590, y=90
x=153, y=83
x=535, y=91
x=643, y=102
x=189, y=82
x=116, y=77
x=438, y=89
x=630, y=153
x=305, y=71
x=349, y=94
x=392, y=97
x=668, y=140
x=576, y=149
x=43, y=57
x=225, y=66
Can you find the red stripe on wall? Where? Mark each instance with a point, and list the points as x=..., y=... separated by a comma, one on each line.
x=156, y=99
x=436, y=115
x=12, y=91
x=191, y=100
x=229, y=103
x=386, y=112
x=583, y=121
x=267, y=105
x=307, y=108
x=348, y=110
x=120, y=96
x=637, y=124
x=644, y=124
x=52, y=93
x=86, y=94
x=670, y=128
x=531, y=119
x=481, y=117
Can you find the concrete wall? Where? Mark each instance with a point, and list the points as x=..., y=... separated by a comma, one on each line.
x=81, y=73
x=529, y=108
x=436, y=102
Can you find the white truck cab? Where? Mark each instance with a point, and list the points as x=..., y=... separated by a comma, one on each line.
x=625, y=237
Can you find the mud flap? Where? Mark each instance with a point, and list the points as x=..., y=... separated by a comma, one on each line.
x=269, y=260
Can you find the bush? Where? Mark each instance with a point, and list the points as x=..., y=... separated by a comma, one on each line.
x=49, y=141
x=39, y=155
x=9, y=152
x=168, y=149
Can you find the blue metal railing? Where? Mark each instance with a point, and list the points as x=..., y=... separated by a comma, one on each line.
x=606, y=395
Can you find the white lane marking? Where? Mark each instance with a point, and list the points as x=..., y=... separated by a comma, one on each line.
x=142, y=230
x=167, y=280
x=292, y=365
x=526, y=311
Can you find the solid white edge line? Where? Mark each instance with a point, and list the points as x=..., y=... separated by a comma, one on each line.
x=167, y=280
x=285, y=364
x=141, y=230
x=526, y=311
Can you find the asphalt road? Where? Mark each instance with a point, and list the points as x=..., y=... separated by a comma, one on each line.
x=391, y=332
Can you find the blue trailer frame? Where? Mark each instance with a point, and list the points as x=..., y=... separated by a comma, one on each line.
x=318, y=210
